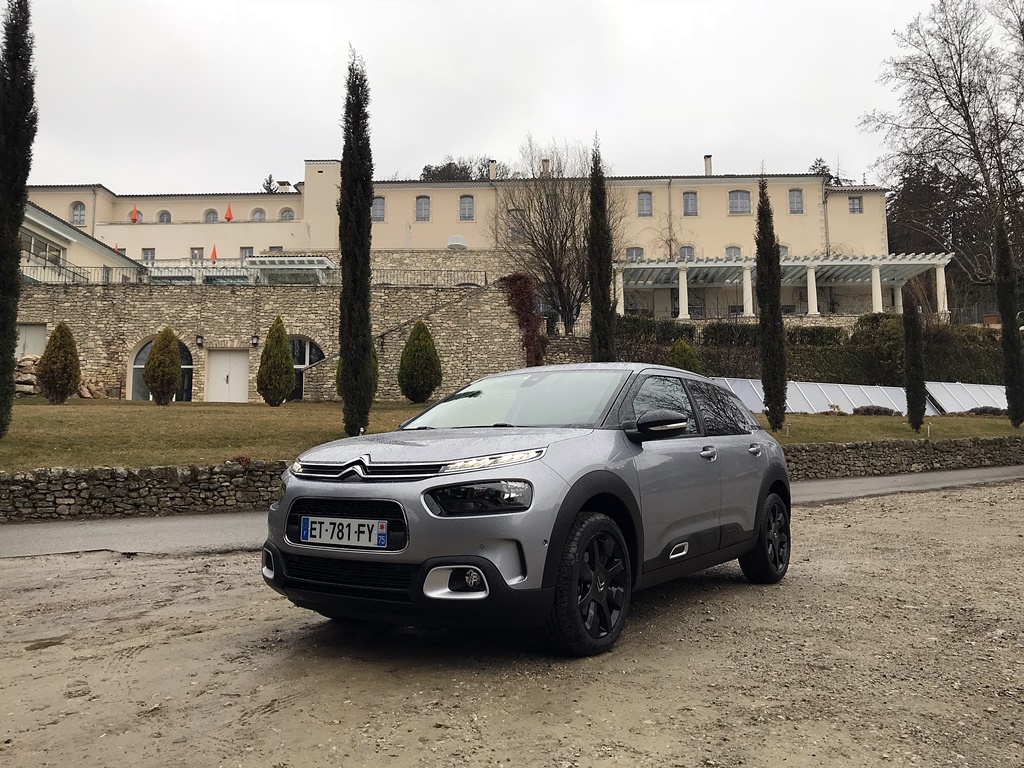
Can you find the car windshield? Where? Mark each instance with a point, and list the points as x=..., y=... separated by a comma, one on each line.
x=541, y=399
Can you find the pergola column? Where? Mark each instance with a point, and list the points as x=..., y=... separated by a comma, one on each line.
x=620, y=302
x=684, y=296
x=899, y=298
x=812, y=292
x=942, y=305
x=876, y=288
x=748, y=294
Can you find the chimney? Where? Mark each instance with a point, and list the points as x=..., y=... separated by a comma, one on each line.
x=707, y=165
x=283, y=186
x=492, y=169
x=545, y=167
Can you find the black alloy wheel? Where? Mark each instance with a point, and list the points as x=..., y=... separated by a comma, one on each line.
x=592, y=592
x=768, y=561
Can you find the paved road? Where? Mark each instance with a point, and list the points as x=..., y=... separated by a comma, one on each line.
x=239, y=531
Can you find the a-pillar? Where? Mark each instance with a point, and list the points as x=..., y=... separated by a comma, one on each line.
x=812, y=292
x=941, y=303
x=620, y=303
x=748, y=294
x=684, y=296
x=876, y=288
x=898, y=296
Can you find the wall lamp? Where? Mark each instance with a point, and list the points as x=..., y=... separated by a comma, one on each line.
x=255, y=340
x=199, y=340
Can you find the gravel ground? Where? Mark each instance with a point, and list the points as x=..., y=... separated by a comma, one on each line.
x=896, y=639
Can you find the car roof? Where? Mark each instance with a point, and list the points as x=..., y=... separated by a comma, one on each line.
x=630, y=367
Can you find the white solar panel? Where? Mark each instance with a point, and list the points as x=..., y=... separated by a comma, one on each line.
x=954, y=398
x=815, y=397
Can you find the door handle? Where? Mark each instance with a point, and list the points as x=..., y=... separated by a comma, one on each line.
x=709, y=452
x=754, y=449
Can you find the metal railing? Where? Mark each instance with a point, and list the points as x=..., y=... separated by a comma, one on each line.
x=237, y=274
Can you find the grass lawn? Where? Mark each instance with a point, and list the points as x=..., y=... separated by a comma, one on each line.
x=125, y=433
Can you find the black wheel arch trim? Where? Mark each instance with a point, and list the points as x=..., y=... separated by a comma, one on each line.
x=597, y=483
x=774, y=474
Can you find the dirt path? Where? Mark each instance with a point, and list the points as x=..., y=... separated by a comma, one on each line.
x=896, y=639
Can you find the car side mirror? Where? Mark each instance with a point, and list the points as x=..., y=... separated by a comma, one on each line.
x=656, y=424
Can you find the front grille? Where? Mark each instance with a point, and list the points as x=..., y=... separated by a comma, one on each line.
x=369, y=471
x=352, y=578
x=358, y=509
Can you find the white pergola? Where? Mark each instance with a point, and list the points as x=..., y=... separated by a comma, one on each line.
x=892, y=270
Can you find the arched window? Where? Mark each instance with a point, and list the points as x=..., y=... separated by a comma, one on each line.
x=258, y=214
x=634, y=254
x=422, y=208
x=211, y=216
x=139, y=389
x=466, y=209
x=138, y=216
x=287, y=214
x=686, y=253
x=733, y=252
x=783, y=251
x=304, y=354
x=739, y=201
x=164, y=217
x=78, y=214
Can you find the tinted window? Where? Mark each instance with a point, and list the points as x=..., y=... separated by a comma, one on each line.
x=723, y=414
x=543, y=399
x=663, y=393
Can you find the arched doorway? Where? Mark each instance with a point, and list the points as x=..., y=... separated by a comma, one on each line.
x=304, y=353
x=139, y=389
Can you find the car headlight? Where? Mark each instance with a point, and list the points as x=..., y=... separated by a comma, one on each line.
x=496, y=460
x=493, y=497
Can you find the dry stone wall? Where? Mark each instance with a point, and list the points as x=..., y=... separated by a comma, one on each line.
x=54, y=494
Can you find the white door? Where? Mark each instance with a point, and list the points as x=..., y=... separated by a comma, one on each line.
x=227, y=376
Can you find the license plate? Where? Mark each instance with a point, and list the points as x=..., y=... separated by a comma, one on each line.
x=344, y=532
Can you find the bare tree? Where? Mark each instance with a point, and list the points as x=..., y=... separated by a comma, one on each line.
x=542, y=218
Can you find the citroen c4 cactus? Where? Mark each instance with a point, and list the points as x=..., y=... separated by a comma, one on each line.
x=542, y=497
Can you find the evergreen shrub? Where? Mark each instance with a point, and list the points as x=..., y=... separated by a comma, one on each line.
x=419, y=372
x=726, y=334
x=875, y=410
x=162, y=373
x=275, y=378
x=57, y=371
x=683, y=356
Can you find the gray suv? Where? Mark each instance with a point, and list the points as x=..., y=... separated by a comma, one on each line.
x=539, y=497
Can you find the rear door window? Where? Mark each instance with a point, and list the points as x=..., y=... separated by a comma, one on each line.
x=722, y=413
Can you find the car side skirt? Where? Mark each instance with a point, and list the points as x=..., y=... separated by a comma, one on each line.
x=692, y=565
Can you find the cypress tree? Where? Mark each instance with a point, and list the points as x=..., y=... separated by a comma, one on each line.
x=1007, y=300
x=599, y=266
x=275, y=378
x=913, y=365
x=58, y=371
x=769, y=299
x=419, y=372
x=162, y=373
x=18, y=118
x=354, y=342
x=339, y=371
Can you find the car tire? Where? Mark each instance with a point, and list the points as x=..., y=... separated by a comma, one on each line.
x=768, y=561
x=591, y=603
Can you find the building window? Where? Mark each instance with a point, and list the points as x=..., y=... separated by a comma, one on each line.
x=689, y=203
x=258, y=214
x=644, y=204
x=276, y=249
x=739, y=201
x=733, y=252
x=634, y=254
x=164, y=217
x=686, y=253
x=735, y=310
x=422, y=208
x=139, y=389
x=466, y=212
x=148, y=255
x=796, y=201
x=304, y=354
x=196, y=255
x=210, y=217
x=856, y=205
x=377, y=209
x=287, y=214
x=78, y=214
x=245, y=252
x=783, y=251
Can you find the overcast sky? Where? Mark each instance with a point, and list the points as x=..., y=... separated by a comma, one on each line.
x=149, y=96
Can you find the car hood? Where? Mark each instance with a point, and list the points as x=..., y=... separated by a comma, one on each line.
x=437, y=445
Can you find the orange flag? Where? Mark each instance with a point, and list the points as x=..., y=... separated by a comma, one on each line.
x=135, y=214
x=228, y=216
x=213, y=256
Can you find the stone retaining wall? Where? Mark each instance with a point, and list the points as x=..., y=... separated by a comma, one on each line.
x=53, y=494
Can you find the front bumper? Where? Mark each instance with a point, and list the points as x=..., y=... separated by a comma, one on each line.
x=394, y=592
